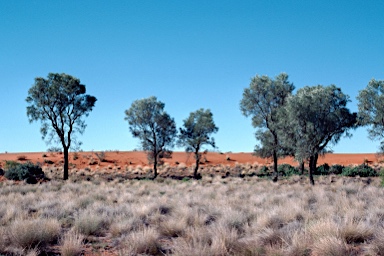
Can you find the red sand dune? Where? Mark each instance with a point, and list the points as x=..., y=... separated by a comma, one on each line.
x=135, y=158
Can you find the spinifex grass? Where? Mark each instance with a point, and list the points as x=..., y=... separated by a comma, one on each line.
x=212, y=216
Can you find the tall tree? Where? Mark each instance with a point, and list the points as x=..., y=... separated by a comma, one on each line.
x=59, y=102
x=316, y=116
x=371, y=109
x=154, y=127
x=263, y=100
x=196, y=133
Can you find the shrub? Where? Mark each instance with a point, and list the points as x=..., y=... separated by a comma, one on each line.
x=381, y=174
x=322, y=169
x=360, y=170
x=21, y=158
x=27, y=171
x=101, y=156
x=287, y=170
x=336, y=169
x=264, y=171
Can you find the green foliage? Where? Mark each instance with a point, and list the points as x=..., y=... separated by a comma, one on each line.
x=371, y=109
x=197, y=132
x=154, y=127
x=59, y=102
x=360, y=170
x=316, y=117
x=287, y=170
x=27, y=171
x=262, y=100
x=322, y=169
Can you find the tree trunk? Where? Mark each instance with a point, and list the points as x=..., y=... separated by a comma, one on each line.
x=275, y=171
x=66, y=163
x=197, y=158
x=302, y=168
x=312, y=168
x=155, y=167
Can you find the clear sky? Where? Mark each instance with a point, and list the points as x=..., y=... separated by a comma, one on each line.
x=189, y=54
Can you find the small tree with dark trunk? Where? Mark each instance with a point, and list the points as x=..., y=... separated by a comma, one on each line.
x=154, y=127
x=316, y=117
x=196, y=133
x=59, y=102
x=263, y=100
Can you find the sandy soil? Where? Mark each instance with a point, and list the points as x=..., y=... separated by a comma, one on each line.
x=135, y=158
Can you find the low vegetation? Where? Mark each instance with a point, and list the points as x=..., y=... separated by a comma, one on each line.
x=230, y=211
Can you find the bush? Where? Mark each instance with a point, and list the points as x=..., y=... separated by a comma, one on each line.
x=360, y=170
x=264, y=171
x=287, y=170
x=381, y=174
x=336, y=169
x=322, y=169
x=27, y=171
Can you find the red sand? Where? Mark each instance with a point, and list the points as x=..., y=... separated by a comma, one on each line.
x=139, y=158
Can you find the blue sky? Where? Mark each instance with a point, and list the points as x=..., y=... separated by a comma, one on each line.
x=189, y=54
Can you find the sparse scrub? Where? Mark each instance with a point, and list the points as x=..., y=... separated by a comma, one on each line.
x=360, y=170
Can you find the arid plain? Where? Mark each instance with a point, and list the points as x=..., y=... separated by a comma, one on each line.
x=104, y=210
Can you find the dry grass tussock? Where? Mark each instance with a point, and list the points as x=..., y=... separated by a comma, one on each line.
x=212, y=216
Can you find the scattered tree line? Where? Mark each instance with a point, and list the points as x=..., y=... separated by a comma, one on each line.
x=302, y=124
x=305, y=124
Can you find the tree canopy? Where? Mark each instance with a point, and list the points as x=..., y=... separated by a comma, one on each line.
x=371, y=109
x=316, y=117
x=59, y=102
x=154, y=127
x=263, y=100
x=196, y=133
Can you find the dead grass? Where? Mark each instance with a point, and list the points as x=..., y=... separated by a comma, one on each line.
x=212, y=216
x=71, y=244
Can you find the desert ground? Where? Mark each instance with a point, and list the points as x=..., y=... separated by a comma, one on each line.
x=100, y=210
x=138, y=158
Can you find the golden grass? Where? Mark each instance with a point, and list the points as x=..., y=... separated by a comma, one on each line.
x=212, y=216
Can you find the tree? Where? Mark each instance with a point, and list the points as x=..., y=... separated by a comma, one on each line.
x=316, y=116
x=263, y=100
x=59, y=102
x=371, y=109
x=196, y=133
x=154, y=127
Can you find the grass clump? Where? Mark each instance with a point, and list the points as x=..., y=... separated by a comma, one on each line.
x=71, y=244
x=31, y=233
